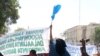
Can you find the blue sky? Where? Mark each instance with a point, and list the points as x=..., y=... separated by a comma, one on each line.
x=37, y=14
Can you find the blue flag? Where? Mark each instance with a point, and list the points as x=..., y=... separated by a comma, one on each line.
x=55, y=11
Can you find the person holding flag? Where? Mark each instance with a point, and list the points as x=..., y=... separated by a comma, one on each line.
x=59, y=47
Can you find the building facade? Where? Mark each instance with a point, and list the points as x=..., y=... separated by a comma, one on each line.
x=75, y=34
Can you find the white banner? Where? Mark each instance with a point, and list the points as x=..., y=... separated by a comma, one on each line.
x=20, y=43
x=75, y=50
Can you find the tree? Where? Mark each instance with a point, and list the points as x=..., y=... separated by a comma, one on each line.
x=97, y=37
x=8, y=14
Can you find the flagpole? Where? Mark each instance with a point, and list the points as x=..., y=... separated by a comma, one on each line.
x=51, y=44
x=79, y=11
x=51, y=32
x=55, y=11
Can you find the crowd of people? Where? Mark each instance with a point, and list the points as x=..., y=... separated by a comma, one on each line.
x=58, y=47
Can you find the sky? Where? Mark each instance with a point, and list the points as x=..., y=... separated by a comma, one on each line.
x=36, y=14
